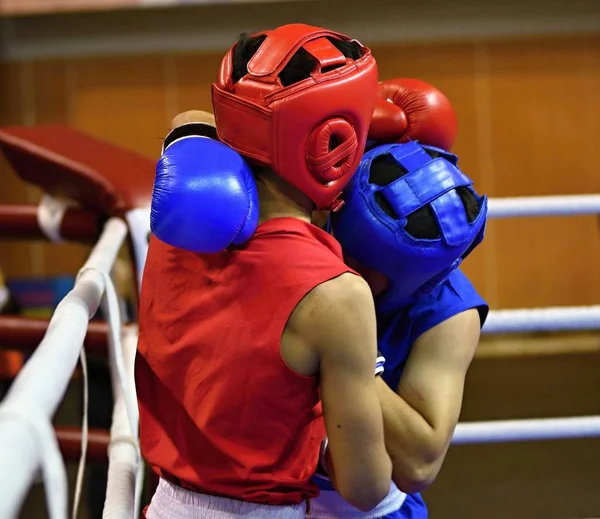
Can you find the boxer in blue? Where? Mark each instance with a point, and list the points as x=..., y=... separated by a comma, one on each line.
x=411, y=217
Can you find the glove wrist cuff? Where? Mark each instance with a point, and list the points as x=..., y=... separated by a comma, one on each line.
x=379, y=364
x=189, y=130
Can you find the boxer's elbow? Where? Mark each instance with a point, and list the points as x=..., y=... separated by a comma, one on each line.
x=415, y=477
x=415, y=471
x=365, y=497
x=365, y=485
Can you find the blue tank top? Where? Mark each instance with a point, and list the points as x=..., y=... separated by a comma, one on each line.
x=397, y=332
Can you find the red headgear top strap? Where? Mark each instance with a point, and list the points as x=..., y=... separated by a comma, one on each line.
x=281, y=45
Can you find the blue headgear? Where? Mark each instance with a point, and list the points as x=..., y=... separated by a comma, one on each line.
x=380, y=242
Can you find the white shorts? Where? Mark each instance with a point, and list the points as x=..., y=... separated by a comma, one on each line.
x=173, y=502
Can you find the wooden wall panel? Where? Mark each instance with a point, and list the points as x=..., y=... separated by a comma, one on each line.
x=122, y=100
x=47, y=94
x=192, y=78
x=544, y=125
x=528, y=125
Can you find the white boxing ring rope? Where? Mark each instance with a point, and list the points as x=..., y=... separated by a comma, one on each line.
x=26, y=412
x=125, y=472
x=532, y=429
x=551, y=319
x=522, y=206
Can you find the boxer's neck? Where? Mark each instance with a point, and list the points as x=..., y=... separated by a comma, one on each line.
x=279, y=199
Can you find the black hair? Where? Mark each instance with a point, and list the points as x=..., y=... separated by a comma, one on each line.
x=298, y=68
x=422, y=223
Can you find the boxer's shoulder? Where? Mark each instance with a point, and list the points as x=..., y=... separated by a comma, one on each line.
x=320, y=321
x=454, y=296
x=345, y=292
x=458, y=294
x=331, y=310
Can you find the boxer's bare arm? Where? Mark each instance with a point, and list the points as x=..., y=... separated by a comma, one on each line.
x=420, y=418
x=338, y=322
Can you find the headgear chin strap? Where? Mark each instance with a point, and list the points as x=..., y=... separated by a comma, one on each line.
x=381, y=242
x=311, y=133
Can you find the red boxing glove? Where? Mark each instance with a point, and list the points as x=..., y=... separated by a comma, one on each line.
x=412, y=110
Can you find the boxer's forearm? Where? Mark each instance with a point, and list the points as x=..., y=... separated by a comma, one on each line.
x=417, y=450
x=420, y=417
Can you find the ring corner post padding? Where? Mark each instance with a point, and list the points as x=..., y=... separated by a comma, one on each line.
x=19, y=222
x=100, y=176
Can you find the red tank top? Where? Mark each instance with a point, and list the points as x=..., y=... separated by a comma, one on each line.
x=220, y=411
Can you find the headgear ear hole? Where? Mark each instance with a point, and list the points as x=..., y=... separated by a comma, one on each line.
x=331, y=149
x=334, y=142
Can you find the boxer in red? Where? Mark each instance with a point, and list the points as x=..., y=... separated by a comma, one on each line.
x=242, y=351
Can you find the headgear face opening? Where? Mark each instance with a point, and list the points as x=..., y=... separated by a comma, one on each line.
x=377, y=236
x=311, y=133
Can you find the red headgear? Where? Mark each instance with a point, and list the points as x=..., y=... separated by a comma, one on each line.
x=291, y=128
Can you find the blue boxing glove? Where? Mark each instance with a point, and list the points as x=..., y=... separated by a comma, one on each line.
x=205, y=197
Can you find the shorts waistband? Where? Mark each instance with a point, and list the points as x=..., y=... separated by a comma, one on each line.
x=173, y=502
